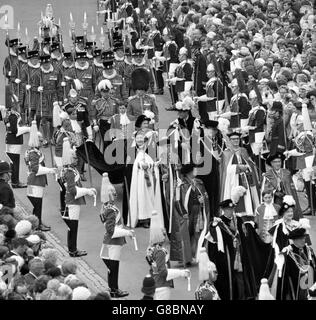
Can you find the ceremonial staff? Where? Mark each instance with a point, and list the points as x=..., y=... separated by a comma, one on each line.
x=85, y=28
x=18, y=35
x=72, y=35
x=28, y=78
x=8, y=43
x=61, y=45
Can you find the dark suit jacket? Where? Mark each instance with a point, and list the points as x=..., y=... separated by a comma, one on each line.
x=147, y=298
x=6, y=195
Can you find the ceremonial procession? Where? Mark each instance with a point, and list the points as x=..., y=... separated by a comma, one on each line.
x=158, y=150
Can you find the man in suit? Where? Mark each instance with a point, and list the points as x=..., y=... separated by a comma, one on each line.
x=36, y=269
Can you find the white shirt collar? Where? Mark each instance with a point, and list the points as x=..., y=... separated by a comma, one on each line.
x=51, y=69
x=85, y=67
x=108, y=76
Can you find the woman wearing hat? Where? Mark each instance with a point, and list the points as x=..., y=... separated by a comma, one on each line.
x=295, y=270
x=114, y=237
x=37, y=171
x=144, y=190
x=284, y=224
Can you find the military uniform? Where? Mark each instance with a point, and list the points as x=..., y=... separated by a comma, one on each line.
x=36, y=180
x=30, y=76
x=14, y=142
x=21, y=66
x=74, y=199
x=67, y=73
x=97, y=65
x=138, y=104
x=79, y=118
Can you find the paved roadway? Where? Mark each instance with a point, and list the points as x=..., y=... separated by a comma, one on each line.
x=133, y=266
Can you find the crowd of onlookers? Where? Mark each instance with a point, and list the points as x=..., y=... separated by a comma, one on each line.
x=30, y=268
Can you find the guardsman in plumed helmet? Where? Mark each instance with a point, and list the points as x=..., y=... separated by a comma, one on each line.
x=6, y=193
x=30, y=77
x=14, y=140
x=104, y=108
x=75, y=194
x=36, y=171
x=79, y=117
x=141, y=101
x=10, y=68
x=114, y=237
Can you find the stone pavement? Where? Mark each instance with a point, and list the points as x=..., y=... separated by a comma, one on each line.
x=85, y=273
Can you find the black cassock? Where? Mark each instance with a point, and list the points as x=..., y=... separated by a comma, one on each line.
x=298, y=274
x=233, y=285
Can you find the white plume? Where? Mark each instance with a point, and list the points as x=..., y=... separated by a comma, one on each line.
x=237, y=193
x=289, y=200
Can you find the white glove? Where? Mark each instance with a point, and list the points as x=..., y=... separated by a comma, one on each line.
x=92, y=192
x=65, y=100
x=17, y=81
x=40, y=89
x=96, y=128
x=63, y=84
x=9, y=73
x=28, y=87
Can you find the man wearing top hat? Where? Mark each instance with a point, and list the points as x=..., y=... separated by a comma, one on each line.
x=10, y=68
x=237, y=169
x=30, y=77
x=50, y=80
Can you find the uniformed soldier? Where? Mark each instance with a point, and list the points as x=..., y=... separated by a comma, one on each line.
x=65, y=131
x=79, y=117
x=86, y=76
x=31, y=79
x=141, y=101
x=37, y=171
x=90, y=45
x=56, y=56
x=75, y=194
x=119, y=57
x=50, y=91
x=10, y=69
x=45, y=46
x=158, y=59
x=14, y=140
x=98, y=63
x=105, y=108
x=114, y=237
x=79, y=42
x=118, y=89
x=67, y=72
